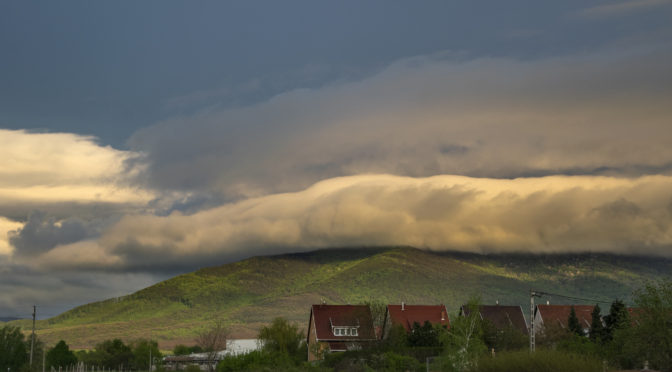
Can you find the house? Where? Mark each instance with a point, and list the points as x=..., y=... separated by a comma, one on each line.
x=557, y=315
x=406, y=315
x=335, y=328
x=205, y=361
x=501, y=316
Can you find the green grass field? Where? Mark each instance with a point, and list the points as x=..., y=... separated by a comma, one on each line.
x=248, y=294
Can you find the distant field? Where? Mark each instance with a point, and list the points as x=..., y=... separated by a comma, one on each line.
x=248, y=294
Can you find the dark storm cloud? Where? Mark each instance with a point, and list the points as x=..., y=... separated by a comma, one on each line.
x=55, y=292
x=426, y=116
x=42, y=233
x=72, y=66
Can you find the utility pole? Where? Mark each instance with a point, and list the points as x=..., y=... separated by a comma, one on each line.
x=32, y=339
x=531, y=320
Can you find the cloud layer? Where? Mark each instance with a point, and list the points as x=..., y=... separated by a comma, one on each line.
x=442, y=152
x=496, y=118
x=64, y=173
x=538, y=215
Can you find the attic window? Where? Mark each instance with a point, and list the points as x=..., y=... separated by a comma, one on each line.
x=345, y=331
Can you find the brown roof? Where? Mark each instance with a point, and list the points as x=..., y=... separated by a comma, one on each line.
x=329, y=316
x=435, y=314
x=559, y=314
x=501, y=316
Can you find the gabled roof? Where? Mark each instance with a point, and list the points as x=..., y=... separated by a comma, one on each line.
x=501, y=316
x=435, y=314
x=559, y=314
x=353, y=316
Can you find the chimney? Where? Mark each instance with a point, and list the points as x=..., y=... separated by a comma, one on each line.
x=496, y=302
x=402, y=306
x=548, y=302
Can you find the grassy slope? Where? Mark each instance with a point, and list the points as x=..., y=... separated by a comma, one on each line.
x=249, y=293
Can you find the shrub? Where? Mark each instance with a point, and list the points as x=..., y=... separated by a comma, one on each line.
x=541, y=360
x=192, y=368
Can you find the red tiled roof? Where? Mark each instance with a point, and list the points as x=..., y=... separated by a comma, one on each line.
x=358, y=316
x=559, y=314
x=435, y=314
x=502, y=316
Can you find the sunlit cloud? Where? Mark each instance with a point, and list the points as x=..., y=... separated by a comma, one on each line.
x=555, y=214
x=58, y=171
x=6, y=226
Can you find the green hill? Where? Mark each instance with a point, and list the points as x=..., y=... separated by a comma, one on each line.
x=248, y=294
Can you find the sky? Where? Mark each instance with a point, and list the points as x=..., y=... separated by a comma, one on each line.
x=141, y=140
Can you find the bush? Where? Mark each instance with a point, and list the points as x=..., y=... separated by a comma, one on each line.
x=260, y=360
x=284, y=338
x=192, y=368
x=541, y=360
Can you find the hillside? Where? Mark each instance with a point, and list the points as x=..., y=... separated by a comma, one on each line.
x=249, y=293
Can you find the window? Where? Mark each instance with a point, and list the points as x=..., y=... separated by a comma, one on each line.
x=345, y=331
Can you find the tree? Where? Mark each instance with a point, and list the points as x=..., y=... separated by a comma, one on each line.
x=60, y=356
x=13, y=352
x=378, y=311
x=423, y=335
x=596, y=327
x=573, y=324
x=396, y=339
x=113, y=354
x=282, y=337
x=618, y=318
x=503, y=338
x=654, y=332
x=212, y=341
x=185, y=350
x=142, y=350
x=464, y=341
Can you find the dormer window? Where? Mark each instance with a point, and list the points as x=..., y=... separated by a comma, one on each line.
x=345, y=331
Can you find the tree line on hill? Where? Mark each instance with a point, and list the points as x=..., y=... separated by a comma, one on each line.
x=470, y=344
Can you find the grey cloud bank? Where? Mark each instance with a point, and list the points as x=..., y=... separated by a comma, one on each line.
x=425, y=116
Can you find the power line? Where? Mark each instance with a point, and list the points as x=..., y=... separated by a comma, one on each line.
x=543, y=293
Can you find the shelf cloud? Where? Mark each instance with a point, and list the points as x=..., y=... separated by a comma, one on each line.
x=554, y=214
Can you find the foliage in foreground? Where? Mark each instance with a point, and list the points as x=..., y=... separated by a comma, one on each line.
x=60, y=356
x=283, y=349
x=541, y=360
x=13, y=352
